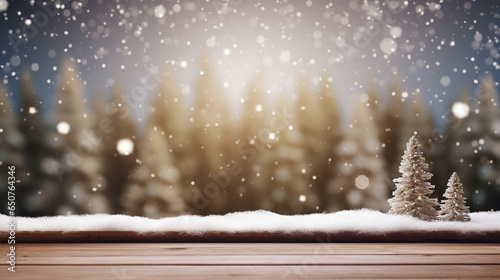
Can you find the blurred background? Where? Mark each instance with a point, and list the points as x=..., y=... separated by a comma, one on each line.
x=163, y=108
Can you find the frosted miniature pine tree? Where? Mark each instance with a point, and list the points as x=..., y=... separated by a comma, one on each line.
x=454, y=208
x=411, y=196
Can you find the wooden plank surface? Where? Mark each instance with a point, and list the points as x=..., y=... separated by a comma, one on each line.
x=253, y=272
x=148, y=249
x=252, y=260
x=262, y=260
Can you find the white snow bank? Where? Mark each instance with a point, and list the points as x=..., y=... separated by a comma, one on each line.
x=364, y=220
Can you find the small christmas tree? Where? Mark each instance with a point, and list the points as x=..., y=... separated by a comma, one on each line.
x=454, y=208
x=411, y=196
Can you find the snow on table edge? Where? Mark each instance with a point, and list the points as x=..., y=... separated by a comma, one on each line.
x=361, y=221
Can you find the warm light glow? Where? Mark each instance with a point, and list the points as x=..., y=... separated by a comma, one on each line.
x=362, y=182
x=258, y=108
x=125, y=146
x=32, y=110
x=272, y=135
x=160, y=11
x=302, y=198
x=63, y=128
x=460, y=110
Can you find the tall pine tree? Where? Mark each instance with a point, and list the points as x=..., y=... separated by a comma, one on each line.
x=120, y=148
x=154, y=190
x=251, y=141
x=361, y=180
x=332, y=131
x=211, y=138
x=37, y=191
x=169, y=112
x=316, y=129
x=281, y=171
x=475, y=144
x=11, y=146
x=392, y=124
x=79, y=187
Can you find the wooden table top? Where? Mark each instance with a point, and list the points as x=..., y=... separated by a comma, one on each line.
x=318, y=260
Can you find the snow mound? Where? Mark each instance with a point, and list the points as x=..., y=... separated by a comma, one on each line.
x=363, y=221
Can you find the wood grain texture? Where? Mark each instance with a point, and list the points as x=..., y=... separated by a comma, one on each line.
x=122, y=261
x=253, y=272
x=173, y=236
x=148, y=249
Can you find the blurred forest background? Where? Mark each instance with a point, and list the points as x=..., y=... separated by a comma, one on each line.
x=295, y=154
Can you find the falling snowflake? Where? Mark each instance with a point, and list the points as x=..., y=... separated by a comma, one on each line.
x=3, y=5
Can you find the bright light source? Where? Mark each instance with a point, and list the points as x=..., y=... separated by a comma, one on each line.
x=160, y=11
x=302, y=198
x=362, y=182
x=63, y=127
x=258, y=108
x=125, y=146
x=272, y=135
x=460, y=110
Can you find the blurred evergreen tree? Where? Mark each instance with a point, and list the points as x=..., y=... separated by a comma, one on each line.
x=77, y=150
x=212, y=136
x=169, y=112
x=475, y=146
x=37, y=192
x=154, y=190
x=11, y=150
x=361, y=180
x=254, y=124
x=282, y=172
x=120, y=148
x=392, y=124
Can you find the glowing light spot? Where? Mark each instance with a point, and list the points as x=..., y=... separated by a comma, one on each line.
x=272, y=135
x=32, y=110
x=285, y=56
x=364, y=97
x=362, y=182
x=160, y=11
x=388, y=45
x=258, y=108
x=460, y=110
x=445, y=81
x=261, y=39
x=125, y=146
x=176, y=8
x=302, y=198
x=3, y=5
x=210, y=42
x=396, y=32
x=63, y=128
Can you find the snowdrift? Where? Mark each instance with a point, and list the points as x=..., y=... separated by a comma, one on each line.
x=352, y=225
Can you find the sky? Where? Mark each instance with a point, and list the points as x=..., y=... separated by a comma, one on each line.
x=436, y=48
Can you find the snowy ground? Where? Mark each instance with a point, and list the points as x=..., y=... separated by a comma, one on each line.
x=363, y=221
